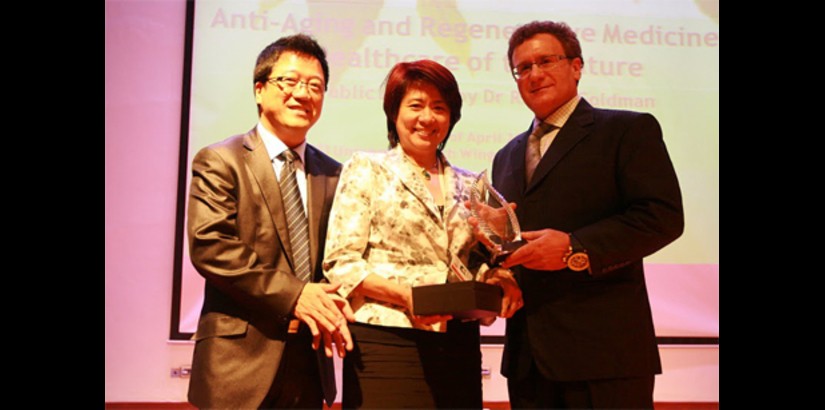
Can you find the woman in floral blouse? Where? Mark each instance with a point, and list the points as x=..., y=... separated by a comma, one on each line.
x=399, y=221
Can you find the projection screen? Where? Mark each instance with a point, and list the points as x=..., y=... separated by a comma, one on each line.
x=657, y=56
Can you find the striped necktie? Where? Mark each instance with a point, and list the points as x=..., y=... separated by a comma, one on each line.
x=295, y=217
x=533, y=155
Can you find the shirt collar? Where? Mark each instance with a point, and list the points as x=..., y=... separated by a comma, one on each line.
x=559, y=117
x=274, y=145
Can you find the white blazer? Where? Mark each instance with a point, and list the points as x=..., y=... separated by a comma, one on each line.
x=384, y=221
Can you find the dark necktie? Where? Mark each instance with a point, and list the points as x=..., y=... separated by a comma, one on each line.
x=533, y=156
x=296, y=219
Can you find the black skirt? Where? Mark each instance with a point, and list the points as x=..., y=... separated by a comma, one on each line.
x=392, y=367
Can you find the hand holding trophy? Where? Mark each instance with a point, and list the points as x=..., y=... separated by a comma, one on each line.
x=497, y=222
x=492, y=292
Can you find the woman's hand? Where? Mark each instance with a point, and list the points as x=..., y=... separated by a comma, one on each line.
x=422, y=320
x=429, y=320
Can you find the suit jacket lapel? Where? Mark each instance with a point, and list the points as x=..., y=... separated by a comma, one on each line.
x=569, y=135
x=409, y=175
x=260, y=164
x=454, y=189
x=319, y=186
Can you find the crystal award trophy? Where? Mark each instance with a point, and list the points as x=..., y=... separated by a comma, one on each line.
x=497, y=221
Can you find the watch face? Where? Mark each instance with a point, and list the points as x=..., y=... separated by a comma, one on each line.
x=578, y=262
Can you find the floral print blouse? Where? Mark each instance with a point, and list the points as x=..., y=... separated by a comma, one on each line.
x=385, y=221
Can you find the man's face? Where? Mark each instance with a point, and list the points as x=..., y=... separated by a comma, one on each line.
x=290, y=113
x=545, y=90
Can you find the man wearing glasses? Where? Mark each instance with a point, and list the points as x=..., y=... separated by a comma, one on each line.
x=257, y=220
x=596, y=192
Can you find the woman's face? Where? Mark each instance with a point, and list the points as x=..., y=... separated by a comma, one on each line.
x=423, y=121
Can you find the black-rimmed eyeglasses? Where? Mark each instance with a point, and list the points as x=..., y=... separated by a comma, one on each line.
x=288, y=84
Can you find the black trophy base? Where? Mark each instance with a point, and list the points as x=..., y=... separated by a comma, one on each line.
x=505, y=250
x=463, y=300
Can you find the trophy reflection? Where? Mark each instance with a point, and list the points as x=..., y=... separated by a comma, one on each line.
x=497, y=221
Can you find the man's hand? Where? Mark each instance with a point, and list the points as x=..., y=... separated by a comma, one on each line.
x=326, y=314
x=496, y=219
x=512, y=300
x=341, y=338
x=544, y=250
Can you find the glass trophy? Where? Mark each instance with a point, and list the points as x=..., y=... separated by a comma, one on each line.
x=497, y=221
x=469, y=297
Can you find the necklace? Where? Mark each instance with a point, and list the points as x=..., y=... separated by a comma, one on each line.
x=424, y=172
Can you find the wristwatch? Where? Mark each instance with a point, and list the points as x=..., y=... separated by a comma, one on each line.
x=576, y=257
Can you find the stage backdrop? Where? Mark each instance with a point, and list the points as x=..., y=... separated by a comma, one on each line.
x=657, y=56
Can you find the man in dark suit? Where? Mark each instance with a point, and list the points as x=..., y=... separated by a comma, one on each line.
x=595, y=192
x=261, y=326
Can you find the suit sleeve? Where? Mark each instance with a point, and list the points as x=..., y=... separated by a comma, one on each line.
x=650, y=214
x=217, y=249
